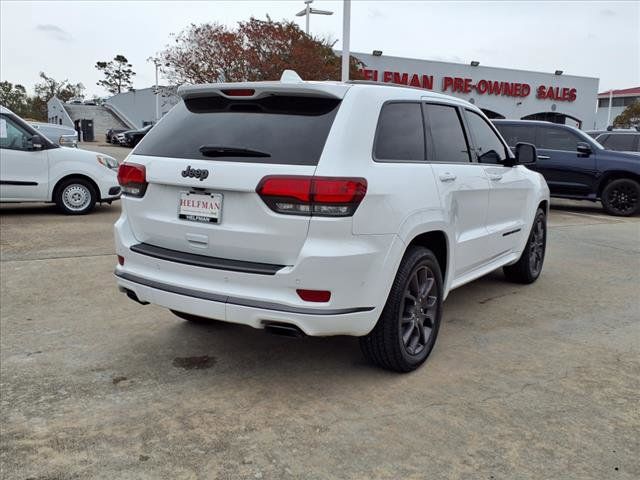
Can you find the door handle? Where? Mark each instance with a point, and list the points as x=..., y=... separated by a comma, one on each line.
x=447, y=177
x=495, y=177
x=543, y=157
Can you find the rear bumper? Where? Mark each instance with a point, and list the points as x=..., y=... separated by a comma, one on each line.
x=358, y=271
x=255, y=313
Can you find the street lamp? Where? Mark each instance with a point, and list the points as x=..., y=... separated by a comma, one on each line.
x=308, y=11
x=156, y=61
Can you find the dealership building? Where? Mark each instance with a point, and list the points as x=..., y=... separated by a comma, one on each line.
x=499, y=92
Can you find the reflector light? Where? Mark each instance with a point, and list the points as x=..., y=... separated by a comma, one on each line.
x=133, y=179
x=314, y=295
x=120, y=260
x=238, y=92
x=316, y=196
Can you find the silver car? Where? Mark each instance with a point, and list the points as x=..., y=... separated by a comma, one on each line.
x=58, y=134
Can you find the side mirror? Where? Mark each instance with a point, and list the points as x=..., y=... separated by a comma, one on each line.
x=36, y=142
x=525, y=153
x=583, y=149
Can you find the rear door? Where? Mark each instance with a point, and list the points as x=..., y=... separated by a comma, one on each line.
x=463, y=186
x=218, y=148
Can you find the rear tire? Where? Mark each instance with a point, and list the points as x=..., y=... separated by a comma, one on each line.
x=408, y=326
x=528, y=268
x=75, y=196
x=621, y=197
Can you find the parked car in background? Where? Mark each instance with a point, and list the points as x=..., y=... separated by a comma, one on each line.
x=627, y=141
x=110, y=136
x=131, y=138
x=58, y=134
x=577, y=166
x=35, y=169
x=325, y=208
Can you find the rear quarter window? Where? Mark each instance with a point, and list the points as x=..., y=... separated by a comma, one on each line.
x=285, y=129
x=400, y=132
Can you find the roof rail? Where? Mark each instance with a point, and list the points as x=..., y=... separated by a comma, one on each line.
x=386, y=84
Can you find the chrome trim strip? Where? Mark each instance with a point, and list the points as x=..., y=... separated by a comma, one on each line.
x=243, y=302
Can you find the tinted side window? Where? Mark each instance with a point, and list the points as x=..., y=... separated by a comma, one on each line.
x=557, y=139
x=447, y=134
x=514, y=134
x=281, y=129
x=489, y=148
x=622, y=142
x=400, y=134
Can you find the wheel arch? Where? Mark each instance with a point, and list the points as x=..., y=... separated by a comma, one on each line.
x=609, y=176
x=438, y=242
x=60, y=181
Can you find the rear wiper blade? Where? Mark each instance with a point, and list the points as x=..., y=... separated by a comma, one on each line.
x=219, y=151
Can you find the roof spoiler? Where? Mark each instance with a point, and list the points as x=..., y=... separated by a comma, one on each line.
x=289, y=84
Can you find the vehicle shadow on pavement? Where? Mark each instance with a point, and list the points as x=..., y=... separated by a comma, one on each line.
x=228, y=351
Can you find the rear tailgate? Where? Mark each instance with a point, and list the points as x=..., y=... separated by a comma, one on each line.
x=237, y=140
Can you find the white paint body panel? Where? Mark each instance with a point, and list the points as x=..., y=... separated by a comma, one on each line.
x=356, y=258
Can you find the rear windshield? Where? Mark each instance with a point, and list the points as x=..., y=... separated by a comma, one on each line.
x=276, y=129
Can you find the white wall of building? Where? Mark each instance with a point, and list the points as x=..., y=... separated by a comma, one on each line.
x=577, y=96
x=139, y=106
x=57, y=114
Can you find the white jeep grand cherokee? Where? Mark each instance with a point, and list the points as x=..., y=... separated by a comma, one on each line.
x=325, y=208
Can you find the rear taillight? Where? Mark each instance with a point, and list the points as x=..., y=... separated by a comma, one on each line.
x=316, y=196
x=133, y=179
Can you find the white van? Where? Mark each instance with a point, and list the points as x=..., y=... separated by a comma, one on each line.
x=34, y=169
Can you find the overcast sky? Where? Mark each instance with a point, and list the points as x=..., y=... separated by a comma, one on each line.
x=65, y=39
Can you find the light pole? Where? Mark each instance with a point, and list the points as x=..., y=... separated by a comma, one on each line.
x=308, y=11
x=346, y=27
x=158, y=64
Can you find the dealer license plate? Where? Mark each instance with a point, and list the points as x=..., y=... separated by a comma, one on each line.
x=200, y=207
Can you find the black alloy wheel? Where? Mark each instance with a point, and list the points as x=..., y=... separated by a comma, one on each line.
x=620, y=197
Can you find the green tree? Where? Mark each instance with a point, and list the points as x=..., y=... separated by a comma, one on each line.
x=50, y=87
x=630, y=117
x=15, y=98
x=118, y=74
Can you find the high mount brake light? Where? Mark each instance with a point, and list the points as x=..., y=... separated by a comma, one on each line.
x=238, y=92
x=133, y=179
x=315, y=196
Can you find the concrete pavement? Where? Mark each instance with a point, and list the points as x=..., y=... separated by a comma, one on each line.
x=539, y=381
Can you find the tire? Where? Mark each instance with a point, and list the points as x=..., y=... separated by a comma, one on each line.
x=194, y=318
x=528, y=268
x=621, y=197
x=75, y=196
x=408, y=326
